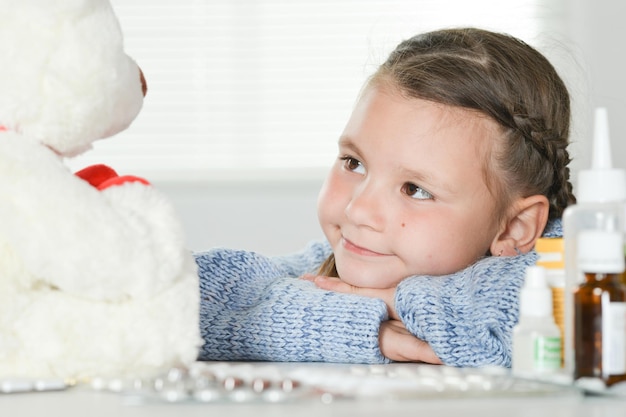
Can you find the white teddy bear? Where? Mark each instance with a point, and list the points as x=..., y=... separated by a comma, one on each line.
x=95, y=279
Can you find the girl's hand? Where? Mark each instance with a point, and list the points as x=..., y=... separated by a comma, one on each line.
x=398, y=344
x=395, y=341
x=337, y=285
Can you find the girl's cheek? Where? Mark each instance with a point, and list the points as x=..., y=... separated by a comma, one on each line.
x=334, y=188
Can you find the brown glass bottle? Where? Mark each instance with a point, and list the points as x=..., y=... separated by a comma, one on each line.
x=600, y=317
x=623, y=274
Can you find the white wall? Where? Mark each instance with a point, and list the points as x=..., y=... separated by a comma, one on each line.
x=595, y=30
x=276, y=217
x=271, y=217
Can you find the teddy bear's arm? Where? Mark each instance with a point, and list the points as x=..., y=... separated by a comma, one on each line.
x=123, y=241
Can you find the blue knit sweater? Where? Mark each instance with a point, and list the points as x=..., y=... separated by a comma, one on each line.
x=254, y=308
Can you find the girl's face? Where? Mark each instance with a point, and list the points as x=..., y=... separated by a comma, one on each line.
x=407, y=194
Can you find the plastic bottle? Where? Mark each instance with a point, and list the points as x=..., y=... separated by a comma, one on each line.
x=601, y=194
x=536, y=338
x=551, y=253
x=600, y=308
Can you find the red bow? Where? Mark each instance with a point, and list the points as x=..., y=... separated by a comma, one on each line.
x=102, y=176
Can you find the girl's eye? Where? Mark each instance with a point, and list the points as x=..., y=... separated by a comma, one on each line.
x=417, y=192
x=352, y=164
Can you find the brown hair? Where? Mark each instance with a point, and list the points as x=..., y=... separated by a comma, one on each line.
x=508, y=81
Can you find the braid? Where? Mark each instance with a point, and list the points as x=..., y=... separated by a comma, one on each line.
x=537, y=161
x=562, y=190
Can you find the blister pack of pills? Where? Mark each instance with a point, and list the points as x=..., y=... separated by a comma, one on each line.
x=18, y=385
x=234, y=382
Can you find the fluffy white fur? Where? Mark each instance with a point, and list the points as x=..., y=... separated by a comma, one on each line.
x=92, y=283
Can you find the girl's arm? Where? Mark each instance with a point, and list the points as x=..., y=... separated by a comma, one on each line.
x=468, y=317
x=250, y=310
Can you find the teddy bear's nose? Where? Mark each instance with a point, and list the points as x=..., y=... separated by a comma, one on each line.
x=144, y=85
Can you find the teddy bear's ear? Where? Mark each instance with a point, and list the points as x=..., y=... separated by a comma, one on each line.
x=64, y=75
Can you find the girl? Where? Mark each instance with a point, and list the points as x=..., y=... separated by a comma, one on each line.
x=450, y=167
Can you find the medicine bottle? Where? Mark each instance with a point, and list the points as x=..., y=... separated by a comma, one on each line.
x=601, y=197
x=536, y=338
x=551, y=253
x=600, y=308
x=623, y=276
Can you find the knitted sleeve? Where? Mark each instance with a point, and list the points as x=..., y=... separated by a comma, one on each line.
x=468, y=317
x=251, y=311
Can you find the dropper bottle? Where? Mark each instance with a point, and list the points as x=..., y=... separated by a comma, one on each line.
x=601, y=197
x=536, y=337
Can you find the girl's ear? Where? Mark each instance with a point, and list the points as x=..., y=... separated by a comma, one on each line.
x=523, y=227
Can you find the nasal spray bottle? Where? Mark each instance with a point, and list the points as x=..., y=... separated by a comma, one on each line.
x=591, y=230
x=536, y=337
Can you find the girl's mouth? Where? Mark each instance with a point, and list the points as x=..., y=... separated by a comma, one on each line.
x=351, y=247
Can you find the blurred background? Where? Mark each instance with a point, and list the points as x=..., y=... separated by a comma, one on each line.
x=247, y=98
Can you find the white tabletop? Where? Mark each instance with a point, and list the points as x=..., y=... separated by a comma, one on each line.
x=386, y=390
x=80, y=403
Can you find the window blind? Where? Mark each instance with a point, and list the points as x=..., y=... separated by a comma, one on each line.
x=249, y=89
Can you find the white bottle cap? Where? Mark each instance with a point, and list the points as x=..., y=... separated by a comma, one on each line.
x=535, y=296
x=601, y=251
x=602, y=183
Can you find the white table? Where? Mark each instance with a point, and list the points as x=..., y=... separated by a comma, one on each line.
x=517, y=401
x=83, y=403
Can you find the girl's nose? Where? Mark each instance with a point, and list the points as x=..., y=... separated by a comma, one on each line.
x=366, y=207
